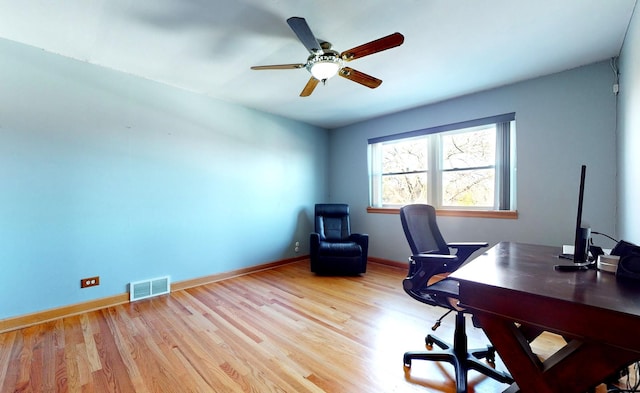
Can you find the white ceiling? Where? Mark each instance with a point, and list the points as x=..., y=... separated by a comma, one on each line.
x=451, y=48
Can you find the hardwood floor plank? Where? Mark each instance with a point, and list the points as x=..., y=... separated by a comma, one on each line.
x=6, y=343
x=278, y=330
x=113, y=366
x=72, y=366
x=23, y=354
x=89, y=344
x=11, y=345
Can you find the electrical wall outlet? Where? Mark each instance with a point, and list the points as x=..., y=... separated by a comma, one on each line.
x=90, y=282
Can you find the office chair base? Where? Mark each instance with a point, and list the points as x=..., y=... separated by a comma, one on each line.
x=462, y=358
x=461, y=365
x=488, y=353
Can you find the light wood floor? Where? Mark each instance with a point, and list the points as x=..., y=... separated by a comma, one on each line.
x=279, y=330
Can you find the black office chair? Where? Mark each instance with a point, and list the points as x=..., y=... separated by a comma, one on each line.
x=333, y=248
x=431, y=257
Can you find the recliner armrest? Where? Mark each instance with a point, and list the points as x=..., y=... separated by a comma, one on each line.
x=359, y=238
x=363, y=240
x=314, y=243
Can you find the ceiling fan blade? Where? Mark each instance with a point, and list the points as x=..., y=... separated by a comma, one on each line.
x=359, y=77
x=302, y=30
x=278, y=67
x=384, y=43
x=308, y=89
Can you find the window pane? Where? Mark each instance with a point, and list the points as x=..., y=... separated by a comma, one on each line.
x=403, y=189
x=405, y=156
x=468, y=188
x=447, y=167
x=469, y=149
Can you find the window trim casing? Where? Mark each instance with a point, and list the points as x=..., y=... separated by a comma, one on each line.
x=499, y=214
x=504, y=118
x=503, y=169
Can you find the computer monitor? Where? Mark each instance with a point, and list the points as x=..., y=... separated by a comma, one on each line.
x=581, y=235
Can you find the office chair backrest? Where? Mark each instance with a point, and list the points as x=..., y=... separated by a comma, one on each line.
x=332, y=221
x=421, y=230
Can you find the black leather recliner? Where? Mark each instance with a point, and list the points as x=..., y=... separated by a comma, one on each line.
x=333, y=248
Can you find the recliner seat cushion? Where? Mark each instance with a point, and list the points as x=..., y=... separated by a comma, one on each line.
x=343, y=249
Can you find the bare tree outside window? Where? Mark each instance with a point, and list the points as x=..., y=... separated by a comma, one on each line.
x=468, y=177
x=404, y=168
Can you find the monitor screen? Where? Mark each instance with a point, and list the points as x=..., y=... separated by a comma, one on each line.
x=581, y=234
x=581, y=240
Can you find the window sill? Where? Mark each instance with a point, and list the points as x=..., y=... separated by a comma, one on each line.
x=502, y=214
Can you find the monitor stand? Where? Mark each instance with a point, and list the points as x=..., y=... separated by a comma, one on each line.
x=575, y=267
x=581, y=253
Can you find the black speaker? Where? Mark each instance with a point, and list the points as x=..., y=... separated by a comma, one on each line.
x=629, y=265
x=629, y=268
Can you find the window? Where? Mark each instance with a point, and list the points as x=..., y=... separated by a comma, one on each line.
x=463, y=166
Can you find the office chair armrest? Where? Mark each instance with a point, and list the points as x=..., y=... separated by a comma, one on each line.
x=444, y=257
x=422, y=267
x=477, y=245
x=465, y=249
x=430, y=264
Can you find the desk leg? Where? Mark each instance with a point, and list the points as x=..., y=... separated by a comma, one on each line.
x=582, y=365
x=576, y=367
x=515, y=352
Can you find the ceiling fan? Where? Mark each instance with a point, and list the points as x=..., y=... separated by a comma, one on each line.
x=324, y=62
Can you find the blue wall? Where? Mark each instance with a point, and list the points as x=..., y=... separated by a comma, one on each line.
x=106, y=174
x=562, y=120
x=102, y=173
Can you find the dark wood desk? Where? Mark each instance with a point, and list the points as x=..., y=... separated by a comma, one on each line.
x=515, y=284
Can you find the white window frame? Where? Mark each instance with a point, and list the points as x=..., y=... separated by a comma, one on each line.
x=505, y=163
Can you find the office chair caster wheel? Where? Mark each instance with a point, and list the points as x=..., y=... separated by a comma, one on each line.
x=491, y=357
x=428, y=341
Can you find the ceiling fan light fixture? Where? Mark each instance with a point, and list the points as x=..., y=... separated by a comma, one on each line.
x=324, y=70
x=324, y=66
